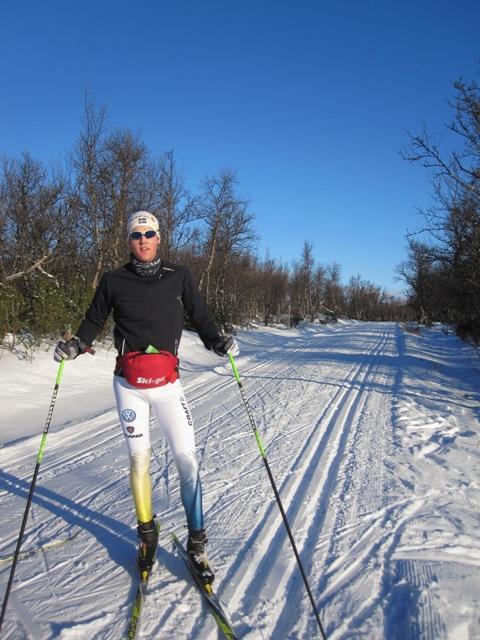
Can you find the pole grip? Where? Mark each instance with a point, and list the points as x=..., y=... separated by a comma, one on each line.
x=50, y=413
x=59, y=373
x=234, y=367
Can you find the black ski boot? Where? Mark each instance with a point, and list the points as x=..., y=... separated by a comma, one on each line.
x=197, y=541
x=148, y=536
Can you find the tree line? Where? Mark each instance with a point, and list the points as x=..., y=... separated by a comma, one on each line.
x=62, y=225
x=442, y=270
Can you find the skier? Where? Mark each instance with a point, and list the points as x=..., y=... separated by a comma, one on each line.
x=148, y=297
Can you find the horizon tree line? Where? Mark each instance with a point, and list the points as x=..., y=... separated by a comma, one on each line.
x=63, y=225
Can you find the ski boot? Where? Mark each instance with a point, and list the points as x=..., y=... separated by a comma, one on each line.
x=197, y=554
x=148, y=536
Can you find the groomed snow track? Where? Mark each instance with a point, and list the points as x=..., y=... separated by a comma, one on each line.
x=370, y=466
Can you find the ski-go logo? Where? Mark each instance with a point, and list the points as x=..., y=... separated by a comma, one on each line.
x=130, y=429
x=129, y=415
x=157, y=381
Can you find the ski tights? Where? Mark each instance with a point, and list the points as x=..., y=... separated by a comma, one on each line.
x=173, y=416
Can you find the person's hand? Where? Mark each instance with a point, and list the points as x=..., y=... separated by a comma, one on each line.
x=69, y=349
x=224, y=345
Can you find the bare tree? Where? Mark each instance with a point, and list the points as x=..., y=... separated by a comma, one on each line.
x=272, y=288
x=319, y=291
x=236, y=238
x=218, y=198
x=334, y=295
x=32, y=216
x=113, y=176
x=452, y=223
x=228, y=233
x=302, y=284
x=177, y=210
x=364, y=299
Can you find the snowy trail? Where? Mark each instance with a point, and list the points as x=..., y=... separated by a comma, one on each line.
x=312, y=474
x=373, y=439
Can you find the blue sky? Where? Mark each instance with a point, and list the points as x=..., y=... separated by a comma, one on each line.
x=309, y=102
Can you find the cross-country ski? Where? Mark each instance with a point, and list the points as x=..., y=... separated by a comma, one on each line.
x=214, y=605
x=147, y=549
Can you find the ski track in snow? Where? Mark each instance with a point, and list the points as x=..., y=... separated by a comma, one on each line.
x=372, y=435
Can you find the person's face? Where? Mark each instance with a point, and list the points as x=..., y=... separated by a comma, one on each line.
x=144, y=249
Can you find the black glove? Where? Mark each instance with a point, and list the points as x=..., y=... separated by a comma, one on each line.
x=225, y=344
x=69, y=349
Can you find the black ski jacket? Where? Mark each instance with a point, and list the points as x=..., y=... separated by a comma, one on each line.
x=148, y=310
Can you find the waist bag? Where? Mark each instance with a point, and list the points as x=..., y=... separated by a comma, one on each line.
x=148, y=370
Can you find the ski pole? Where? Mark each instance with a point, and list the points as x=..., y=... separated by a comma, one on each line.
x=32, y=488
x=277, y=495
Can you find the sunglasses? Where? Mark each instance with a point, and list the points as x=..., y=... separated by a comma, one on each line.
x=137, y=235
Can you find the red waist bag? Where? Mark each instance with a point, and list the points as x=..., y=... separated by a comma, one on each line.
x=148, y=370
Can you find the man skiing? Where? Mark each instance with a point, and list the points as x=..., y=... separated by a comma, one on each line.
x=149, y=297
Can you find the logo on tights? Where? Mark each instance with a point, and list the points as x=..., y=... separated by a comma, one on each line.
x=129, y=415
x=187, y=412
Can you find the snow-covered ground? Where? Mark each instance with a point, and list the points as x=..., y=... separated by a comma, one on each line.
x=373, y=438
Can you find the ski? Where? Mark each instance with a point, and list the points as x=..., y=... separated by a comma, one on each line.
x=53, y=544
x=137, y=609
x=214, y=605
x=134, y=622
